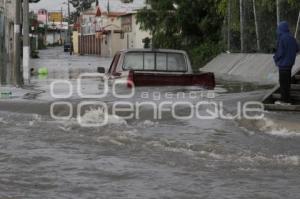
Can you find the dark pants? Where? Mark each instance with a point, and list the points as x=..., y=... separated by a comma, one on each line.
x=285, y=80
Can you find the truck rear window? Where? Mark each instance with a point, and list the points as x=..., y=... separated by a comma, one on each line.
x=156, y=61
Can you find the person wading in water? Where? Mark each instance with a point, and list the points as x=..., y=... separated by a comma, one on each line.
x=285, y=56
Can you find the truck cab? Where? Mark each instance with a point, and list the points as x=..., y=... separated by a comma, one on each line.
x=157, y=67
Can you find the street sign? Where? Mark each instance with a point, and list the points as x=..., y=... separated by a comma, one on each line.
x=55, y=17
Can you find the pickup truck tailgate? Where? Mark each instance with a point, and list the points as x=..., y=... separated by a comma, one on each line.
x=206, y=80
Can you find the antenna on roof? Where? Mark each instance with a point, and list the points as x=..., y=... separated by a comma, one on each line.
x=108, y=6
x=297, y=26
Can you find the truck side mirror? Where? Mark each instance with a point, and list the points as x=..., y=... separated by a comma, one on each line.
x=101, y=70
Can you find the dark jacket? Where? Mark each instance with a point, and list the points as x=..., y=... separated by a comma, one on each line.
x=287, y=47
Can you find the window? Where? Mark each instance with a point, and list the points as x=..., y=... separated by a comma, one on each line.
x=149, y=61
x=152, y=61
x=134, y=61
x=176, y=62
x=114, y=63
x=122, y=35
x=161, y=61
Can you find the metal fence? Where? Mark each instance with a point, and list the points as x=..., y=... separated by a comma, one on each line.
x=255, y=22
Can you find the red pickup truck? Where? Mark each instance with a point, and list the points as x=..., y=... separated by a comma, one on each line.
x=157, y=67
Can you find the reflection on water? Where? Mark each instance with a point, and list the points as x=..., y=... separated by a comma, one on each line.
x=238, y=87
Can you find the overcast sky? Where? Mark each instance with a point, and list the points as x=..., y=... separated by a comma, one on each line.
x=50, y=5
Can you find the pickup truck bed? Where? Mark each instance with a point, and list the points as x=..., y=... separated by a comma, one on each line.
x=206, y=80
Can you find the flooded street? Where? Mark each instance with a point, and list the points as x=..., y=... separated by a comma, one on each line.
x=143, y=158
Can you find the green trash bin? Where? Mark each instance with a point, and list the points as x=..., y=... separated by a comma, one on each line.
x=43, y=71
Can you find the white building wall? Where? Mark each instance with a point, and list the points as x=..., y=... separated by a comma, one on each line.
x=112, y=42
x=138, y=34
x=55, y=37
x=116, y=43
x=105, y=45
x=134, y=39
x=88, y=25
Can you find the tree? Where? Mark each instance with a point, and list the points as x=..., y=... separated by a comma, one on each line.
x=278, y=11
x=228, y=25
x=297, y=26
x=199, y=26
x=260, y=23
x=242, y=25
x=177, y=23
x=256, y=26
x=193, y=25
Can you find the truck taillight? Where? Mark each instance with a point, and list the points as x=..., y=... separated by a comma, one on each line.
x=130, y=80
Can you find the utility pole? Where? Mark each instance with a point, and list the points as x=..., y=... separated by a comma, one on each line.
x=69, y=29
x=278, y=11
x=16, y=72
x=297, y=27
x=256, y=26
x=69, y=22
x=61, y=25
x=228, y=25
x=46, y=29
x=2, y=40
x=26, y=42
x=242, y=25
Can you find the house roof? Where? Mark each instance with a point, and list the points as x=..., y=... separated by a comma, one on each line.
x=161, y=50
x=116, y=8
x=119, y=6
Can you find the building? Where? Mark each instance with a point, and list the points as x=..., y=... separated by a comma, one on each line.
x=108, y=28
x=43, y=16
x=87, y=42
x=56, y=28
x=56, y=16
x=99, y=32
x=133, y=35
x=56, y=32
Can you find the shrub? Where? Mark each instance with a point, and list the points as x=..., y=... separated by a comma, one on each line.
x=202, y=54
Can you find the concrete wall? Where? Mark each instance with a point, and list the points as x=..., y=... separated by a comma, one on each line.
x=116, y=43
x=256, y=68
x=111, y=43
x=54, y=37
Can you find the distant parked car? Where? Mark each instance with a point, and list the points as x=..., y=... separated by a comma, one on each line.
x=67, y=47
x=157, y=67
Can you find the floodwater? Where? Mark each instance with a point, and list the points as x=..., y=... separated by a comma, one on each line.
x=143, y=158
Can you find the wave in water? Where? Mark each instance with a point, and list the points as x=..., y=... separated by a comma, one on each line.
x=272, y=127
